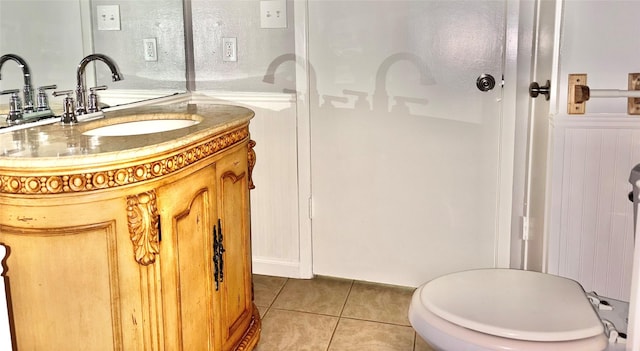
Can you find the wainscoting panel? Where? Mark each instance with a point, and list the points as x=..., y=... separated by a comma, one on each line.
x=274, y=201
x=591, y=218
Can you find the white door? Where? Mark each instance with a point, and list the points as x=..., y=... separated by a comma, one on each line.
x=405, y=148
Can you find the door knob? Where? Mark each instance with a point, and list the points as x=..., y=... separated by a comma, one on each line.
x=485, y=82
x=535, y=89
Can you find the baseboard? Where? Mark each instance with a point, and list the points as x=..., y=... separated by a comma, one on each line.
x=277, y=268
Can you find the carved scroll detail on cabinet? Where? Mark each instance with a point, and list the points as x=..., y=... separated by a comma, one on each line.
x=252, y=162
x=142, y=217
x=116, y=177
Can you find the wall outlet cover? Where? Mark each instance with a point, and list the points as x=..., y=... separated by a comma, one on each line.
x=150, y=49
x=229, y=50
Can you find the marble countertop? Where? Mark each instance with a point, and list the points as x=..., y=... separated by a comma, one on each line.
x=57, y=146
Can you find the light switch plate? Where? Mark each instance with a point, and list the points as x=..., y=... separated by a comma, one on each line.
x=108, y=17
x=273, y=14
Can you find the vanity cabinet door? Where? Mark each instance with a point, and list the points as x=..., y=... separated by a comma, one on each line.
x=65, y=274
x=187, y=209
x=236, y=305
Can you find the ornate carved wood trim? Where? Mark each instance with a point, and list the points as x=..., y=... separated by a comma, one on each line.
x=231, y=175
x=252, y=335
x=152, y=314
x=116, y=177
x=252, y=162
x=143, y=218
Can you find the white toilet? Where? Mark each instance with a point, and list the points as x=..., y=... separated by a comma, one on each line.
x=505, y=309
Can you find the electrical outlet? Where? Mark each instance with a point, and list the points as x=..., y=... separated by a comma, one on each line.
x=229, y=50
x=273, y=14
x=108, y=17
x=150, y=49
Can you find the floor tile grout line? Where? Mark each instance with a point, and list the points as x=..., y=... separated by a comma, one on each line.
x=344, y=304
x=339, y=317
x=376, y=321
x=275, y=298
x=305, y=312
x=279, y=292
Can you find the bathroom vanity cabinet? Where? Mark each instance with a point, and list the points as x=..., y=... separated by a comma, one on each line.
x=148, y=251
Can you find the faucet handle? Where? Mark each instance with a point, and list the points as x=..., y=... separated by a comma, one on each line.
x=99, y=87
x=43, y=103
x=68, y=109
x=10, y=91
x=15, y=106
x=92, y=102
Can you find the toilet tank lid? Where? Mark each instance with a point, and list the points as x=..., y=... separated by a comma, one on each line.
x=513, y=304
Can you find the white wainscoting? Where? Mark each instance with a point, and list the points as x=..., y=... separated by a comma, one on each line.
x=274, y=201
x=590, y=233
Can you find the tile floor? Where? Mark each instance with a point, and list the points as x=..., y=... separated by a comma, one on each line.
x=330, y=314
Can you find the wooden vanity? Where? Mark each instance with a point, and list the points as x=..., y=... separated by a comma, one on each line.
x=131, y=243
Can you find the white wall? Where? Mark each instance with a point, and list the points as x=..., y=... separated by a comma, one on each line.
x=599, y=38
x=405, y=148
x=590, y=218
x=259, y=49
x=47, y=35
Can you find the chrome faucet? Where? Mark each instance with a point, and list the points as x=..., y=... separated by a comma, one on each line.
x=81, y=90
x=27, y=90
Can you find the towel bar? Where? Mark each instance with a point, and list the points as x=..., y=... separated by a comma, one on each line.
x=580, y=93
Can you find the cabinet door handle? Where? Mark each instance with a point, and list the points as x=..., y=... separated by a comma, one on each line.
x=220, y=250
x=218, y=259
x=216, y=273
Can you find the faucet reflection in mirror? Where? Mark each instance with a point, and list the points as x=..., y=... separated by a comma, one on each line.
x=27, y=90
x=20, y=112
x=81, y=90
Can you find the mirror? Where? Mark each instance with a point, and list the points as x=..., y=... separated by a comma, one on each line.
x=53, y=36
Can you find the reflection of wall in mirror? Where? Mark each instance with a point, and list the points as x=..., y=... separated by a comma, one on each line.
x=49, y=40
x=139, y=20
x=55, y=43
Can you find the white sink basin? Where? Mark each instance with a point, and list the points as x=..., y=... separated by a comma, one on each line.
x=141, y=127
